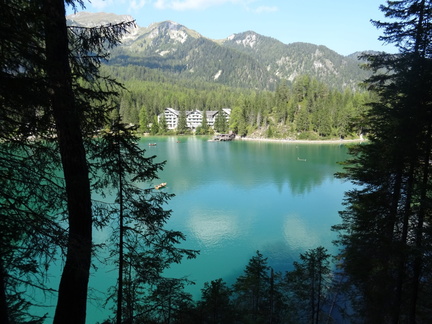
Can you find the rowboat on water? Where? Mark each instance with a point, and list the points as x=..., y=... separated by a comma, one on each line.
x=159, y=186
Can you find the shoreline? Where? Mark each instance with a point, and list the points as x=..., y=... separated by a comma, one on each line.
x=277, y=140
x=334, y=141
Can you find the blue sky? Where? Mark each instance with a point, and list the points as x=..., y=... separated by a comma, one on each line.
x=341, y=25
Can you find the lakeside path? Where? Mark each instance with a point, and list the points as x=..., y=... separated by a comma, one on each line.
x=341, y=141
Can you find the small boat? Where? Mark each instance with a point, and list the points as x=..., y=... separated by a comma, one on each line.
x=152, y=144
x=160, y=186
x=303, y=160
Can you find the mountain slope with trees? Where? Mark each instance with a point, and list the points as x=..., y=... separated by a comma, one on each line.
x=247, y=60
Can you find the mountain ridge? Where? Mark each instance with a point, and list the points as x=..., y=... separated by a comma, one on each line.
x=245, y=59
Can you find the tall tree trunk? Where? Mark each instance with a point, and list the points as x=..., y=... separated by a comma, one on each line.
x=423, y=211
x=72, y=295
x=401, y=272
x=312, y=294
x=121, y=234
x=4, y=317
x=420, y=51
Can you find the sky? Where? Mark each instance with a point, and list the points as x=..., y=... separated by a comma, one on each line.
x=342, y=25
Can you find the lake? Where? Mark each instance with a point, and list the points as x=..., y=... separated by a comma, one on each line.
x=234, y=198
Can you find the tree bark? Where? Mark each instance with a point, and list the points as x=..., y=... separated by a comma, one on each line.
x=72, y=295
x=4, y=317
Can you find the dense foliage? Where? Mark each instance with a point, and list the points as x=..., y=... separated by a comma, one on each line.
x=53, y=101
x=304, y=109
x=306, y=294
x=385, y=234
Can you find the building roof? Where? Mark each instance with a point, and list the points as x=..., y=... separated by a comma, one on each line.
x=209, y=113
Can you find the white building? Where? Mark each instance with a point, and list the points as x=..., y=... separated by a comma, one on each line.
x=193, y=118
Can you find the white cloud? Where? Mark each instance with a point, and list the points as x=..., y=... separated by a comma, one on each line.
x=136, y=5
x=195, y=4
x=181, y=5
x=264, y=9
x=101, y=4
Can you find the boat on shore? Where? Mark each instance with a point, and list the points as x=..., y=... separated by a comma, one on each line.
x=224, y=137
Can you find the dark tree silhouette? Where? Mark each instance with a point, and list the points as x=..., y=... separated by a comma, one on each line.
x=385, y=233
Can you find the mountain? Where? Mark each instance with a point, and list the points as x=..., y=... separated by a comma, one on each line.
x=246, y=59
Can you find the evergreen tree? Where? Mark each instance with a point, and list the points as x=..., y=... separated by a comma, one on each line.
x=182, y=123
x=238, y=120
x=252, y=290
x=204, y=129
x=154, y=130
x=215, y=306
x=79, y=106
x=144, y=120
x=145, y=247
x=30, y=191
x=162, y=125
x=306, y=285
x=51, y=60
x=220, y=124
x=281, y=99
x=75, y=276
x=169, y=303
x=384, y=235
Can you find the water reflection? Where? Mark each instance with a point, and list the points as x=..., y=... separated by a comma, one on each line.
x=298, y=235
x=235, y=198
x=213, y=228
x=192, y=161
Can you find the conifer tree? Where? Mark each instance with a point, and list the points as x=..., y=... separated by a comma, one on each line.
x=306, y=285
x=215, y=305
x=182, y=123
x=252, y=290
x=30, y=191
x=154, y=129
x=144, y=120
x=144, y=248
x=204, y=128
x=385, y=234
x=220, y=124
x=162, y=125
x=68, y=104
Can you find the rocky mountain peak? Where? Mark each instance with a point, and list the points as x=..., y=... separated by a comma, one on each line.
x=247, y=39
x=175, y=31
x=90, y=19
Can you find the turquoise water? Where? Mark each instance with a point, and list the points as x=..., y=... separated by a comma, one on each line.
x=234, y=198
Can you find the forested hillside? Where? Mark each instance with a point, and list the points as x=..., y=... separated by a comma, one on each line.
x=287, y=62
x=297, y=90
x=306, y=108
x=246, y=60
